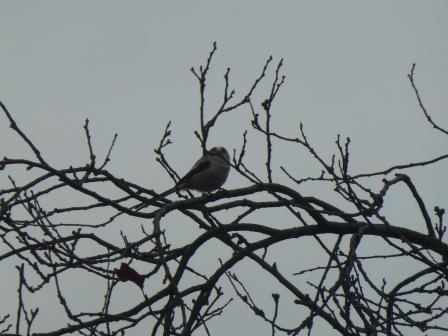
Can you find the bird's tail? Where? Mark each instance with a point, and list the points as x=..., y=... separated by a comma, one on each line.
x=154, y=199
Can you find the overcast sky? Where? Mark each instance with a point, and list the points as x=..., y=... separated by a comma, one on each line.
x=125, y=66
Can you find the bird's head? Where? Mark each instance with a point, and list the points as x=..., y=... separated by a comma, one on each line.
x=219, y=151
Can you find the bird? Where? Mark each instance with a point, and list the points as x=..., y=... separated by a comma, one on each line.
x=209, y=173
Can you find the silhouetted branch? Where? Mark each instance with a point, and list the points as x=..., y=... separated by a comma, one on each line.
x=420, y=102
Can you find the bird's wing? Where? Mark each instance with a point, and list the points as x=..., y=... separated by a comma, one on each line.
x=201, y=165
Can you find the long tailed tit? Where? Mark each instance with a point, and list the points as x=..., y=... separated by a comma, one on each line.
x=207, y=174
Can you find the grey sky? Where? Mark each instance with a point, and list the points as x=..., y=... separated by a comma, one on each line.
x=125, y=65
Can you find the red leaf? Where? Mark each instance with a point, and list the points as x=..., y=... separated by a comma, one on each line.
x=126, y=273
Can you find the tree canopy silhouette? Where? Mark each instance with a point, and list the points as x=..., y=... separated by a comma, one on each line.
x=51, y=244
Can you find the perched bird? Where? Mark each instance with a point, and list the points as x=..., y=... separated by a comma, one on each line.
x=207, y=174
